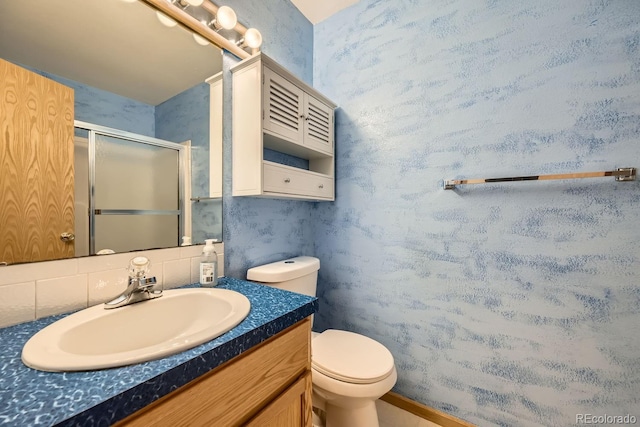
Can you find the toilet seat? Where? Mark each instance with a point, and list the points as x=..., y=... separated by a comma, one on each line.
x=350, y=357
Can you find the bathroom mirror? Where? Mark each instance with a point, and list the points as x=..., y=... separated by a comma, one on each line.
x=132, y=74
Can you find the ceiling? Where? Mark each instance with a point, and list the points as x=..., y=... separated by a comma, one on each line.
x=117, y=46
x=319, y=10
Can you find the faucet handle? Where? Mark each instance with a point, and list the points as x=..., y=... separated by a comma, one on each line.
x=146, y=283
x=139, y=266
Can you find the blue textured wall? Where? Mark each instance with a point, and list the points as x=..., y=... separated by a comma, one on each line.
x=104, y=108
x=509, y=304
x=186, y=117
x=258, y=231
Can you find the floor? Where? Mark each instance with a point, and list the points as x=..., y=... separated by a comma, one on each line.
x=392, y=416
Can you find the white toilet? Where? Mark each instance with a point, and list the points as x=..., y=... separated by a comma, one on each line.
x=349, y=371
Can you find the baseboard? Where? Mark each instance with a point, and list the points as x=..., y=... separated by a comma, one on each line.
x=418, y=409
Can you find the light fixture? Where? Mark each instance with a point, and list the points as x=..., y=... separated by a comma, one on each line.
x=165, y=20
x=183, y=4
x=200, y=40
x=252, y=38
x=189, y=13
x=225, y=19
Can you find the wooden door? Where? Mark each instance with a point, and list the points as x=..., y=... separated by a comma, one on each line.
x=36, y=166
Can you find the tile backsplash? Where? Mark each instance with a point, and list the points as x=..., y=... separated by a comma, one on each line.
x=32, y=291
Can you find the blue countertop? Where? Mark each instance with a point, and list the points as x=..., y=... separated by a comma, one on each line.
x=34, y=398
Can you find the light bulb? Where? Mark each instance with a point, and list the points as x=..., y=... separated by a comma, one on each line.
x=253, y=38
x=226, y=18
x=194, y=2
x=200, y=40
x=165, y=20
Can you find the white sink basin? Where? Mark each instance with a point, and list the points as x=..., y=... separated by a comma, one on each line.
x=96, y=338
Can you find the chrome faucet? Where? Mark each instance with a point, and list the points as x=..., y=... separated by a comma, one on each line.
x=140, y=287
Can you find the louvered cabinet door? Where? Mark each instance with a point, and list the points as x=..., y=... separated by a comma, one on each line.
x=318, y=125
x=283, y=107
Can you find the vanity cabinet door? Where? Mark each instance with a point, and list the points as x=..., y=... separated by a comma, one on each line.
x=238, y=390
x=291, y=409
x=283, y=107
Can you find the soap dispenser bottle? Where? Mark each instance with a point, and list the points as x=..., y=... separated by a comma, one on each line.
x=209, y=265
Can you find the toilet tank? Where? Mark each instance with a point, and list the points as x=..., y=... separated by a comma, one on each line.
x=298, y=274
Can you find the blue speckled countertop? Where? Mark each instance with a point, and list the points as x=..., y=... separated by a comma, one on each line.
x=100, y=398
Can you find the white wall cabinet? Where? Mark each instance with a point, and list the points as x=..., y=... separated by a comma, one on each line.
x=273, y=109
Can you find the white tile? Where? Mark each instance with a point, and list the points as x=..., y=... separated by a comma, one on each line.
x=220, y=264
x=196, y=250
x=106, y=285
x=176, y=273
x=97, y=263
x=159, y=255
x=93, y=264
x=61, y=295
x=156, y=271
x=105, y=277
x=191, y=251
x=37, y=270
x=17, y=303
x=195, y=268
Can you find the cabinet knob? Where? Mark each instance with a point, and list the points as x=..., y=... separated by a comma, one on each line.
x=287, y=180
x=321, y=186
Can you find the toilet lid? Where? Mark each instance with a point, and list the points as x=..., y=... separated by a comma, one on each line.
x=350, y=357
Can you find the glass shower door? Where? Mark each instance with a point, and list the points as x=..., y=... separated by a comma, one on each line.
x=136, y=195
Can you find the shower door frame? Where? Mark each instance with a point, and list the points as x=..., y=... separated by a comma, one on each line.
x=94, y=129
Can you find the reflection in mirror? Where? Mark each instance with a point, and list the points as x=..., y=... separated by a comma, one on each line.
x=112, y=65
x=134, y=193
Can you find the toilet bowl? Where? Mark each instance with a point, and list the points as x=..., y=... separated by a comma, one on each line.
x=349, y=371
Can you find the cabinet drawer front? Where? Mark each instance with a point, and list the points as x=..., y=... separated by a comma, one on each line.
x=282, y=179
x=322, y=187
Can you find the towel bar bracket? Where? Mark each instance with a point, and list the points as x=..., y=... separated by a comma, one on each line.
x=629, y=174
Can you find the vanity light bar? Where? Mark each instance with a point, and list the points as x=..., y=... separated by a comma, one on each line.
x=200, y=28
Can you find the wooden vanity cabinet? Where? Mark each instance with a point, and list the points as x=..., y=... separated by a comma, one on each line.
x=272, y=109
x=269, y=385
